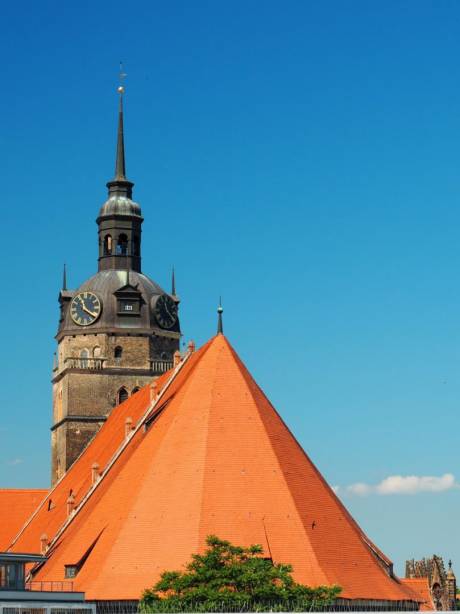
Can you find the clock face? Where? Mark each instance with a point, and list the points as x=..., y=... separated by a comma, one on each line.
x=165, y=311
x=85, y=308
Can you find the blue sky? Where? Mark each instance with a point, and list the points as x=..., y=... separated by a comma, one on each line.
x=300, y=158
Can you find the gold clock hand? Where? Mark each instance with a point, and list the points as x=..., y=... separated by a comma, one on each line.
x=91, y=313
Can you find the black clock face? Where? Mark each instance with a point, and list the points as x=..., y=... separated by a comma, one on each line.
x=85, y=308
x=165, y=311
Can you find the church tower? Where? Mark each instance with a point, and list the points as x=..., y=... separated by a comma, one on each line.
x=116, y=332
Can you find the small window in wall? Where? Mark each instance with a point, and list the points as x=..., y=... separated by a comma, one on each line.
x=118, y=353
x=122, y=395
x=107, y=245
x=122, y=245
x=84, y=355
x=96, y=351
x=136, y=389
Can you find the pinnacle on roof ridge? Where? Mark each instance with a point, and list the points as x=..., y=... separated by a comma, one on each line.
x=220, y=324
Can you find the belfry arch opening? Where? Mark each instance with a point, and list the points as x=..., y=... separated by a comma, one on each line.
x=107, y=245
x=122, y=245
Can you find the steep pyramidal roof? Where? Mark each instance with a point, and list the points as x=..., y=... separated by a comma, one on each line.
x=212, y=457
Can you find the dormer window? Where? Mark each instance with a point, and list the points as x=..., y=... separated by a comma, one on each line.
x=70, y=571
x=128, y=306
x=129, y=301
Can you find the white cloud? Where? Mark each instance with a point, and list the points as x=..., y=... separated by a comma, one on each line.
x=412, y=484
x=403, y=485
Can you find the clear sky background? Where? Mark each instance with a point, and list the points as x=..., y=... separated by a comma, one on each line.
x=300, y=158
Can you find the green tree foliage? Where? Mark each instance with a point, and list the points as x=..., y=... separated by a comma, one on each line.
x=232, y=578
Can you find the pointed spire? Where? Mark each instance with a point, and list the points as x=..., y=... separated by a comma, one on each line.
x=120, y=168
x=64, y=278
x=119, y=184
x=220, y=311
x=173, y=283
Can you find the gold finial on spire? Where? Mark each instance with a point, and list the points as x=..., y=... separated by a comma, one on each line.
x=121, y=76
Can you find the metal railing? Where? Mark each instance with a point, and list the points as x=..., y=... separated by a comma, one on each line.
x=163, y=607
x=52, y=586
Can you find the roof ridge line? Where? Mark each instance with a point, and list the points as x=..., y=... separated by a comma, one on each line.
x=119, y=451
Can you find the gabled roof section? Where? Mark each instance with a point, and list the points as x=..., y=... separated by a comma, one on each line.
x=210, y=456
x=15, y=508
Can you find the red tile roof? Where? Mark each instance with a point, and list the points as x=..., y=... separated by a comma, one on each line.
x=15, y=508
x=214, y=458
x=421, y=589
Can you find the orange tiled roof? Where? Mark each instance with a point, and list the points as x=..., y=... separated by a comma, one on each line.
x=52, y=513
x=15, y=508
x=421, y=589
x=215, y=457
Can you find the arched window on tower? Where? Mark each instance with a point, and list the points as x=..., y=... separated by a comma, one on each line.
x=107, y=245
x=84, y=355
x=122, y=245
x=136, y=389
x=97, y=351
x=136, y=246
x=122, y=395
